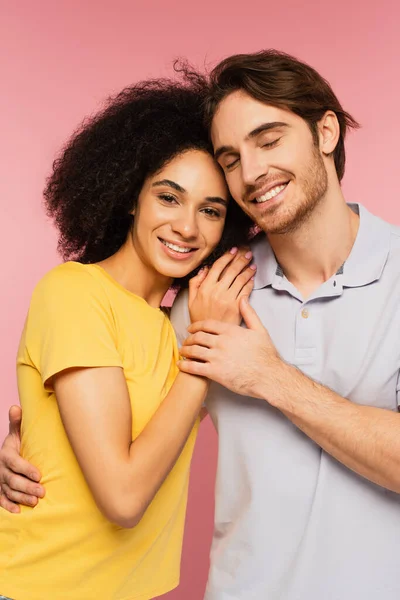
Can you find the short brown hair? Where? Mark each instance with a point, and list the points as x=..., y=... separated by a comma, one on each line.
x=278, y=79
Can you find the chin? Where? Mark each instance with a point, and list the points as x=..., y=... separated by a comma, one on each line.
x=176, y=273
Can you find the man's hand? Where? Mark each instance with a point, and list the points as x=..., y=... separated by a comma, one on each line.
x=239, y=359
x=363, y=438
x=18, y=478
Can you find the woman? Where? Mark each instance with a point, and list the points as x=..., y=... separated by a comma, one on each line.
x=140, y=205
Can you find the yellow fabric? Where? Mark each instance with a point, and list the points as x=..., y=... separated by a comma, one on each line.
x=64, y=548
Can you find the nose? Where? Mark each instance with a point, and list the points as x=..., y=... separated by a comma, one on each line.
x=254, y=167
x=185, y=224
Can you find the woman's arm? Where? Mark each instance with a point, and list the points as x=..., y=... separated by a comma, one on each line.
x=94, y=404
x=124, y=476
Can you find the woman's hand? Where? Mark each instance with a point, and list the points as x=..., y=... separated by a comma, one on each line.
x=215, y=292
x=18, y=478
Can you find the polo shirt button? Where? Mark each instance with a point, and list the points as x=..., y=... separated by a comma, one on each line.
x=305, y=314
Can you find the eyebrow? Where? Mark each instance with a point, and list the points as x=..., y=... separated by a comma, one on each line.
x=175, y=186
x=172, y=184
x=254, y=133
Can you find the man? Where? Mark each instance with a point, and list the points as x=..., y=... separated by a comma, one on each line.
x=305, y=399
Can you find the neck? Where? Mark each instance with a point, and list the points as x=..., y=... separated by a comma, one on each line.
x=130, y=271
x=315, y=251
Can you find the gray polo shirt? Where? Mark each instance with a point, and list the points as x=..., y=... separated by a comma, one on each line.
x=291, y=522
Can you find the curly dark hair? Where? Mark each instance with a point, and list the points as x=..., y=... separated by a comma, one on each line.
x=97, y=178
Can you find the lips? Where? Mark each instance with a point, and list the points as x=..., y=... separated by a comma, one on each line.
x=177, y=250
x=268, y=192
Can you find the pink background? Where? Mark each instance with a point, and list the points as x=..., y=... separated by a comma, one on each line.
x=60, y=59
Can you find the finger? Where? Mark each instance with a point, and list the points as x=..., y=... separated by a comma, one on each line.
x=15, y=417
x=219, y=266
x=195, y=352
x=242, y=279
x=17, y=466
x=193, y=368
x=209, y=326
x=248, y=288
x=17, y=483
x=234, y=269
x=8, y=505
x=18, y=497
x=195, y=283
x=249, y=315
x=200, y=339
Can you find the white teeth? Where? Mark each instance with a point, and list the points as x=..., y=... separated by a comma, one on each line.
x=176, y=248
x=271, y=194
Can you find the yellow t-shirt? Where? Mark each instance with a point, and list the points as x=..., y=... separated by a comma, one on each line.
x=65, y=548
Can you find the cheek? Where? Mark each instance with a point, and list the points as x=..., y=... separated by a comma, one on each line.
x=295, y=158
x=148, y=219
x=287, y=159
x=213, y=235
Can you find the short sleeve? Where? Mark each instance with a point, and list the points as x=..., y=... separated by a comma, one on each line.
x=70, y=323
x=180, y=317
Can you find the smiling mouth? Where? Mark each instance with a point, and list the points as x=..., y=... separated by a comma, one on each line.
x=177, y=248
x=270, y=194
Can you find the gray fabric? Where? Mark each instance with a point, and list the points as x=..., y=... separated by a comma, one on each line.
x=292, y=523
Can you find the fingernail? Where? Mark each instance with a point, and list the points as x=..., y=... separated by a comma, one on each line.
x=34, y=477
x=252, y=278
x=254, y=267
x=200, y=271
x=248, y=254
x=233, y=250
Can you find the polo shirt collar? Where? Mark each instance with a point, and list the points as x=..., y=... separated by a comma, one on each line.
x=364, y=265
x=370, y=251
x=267, y=266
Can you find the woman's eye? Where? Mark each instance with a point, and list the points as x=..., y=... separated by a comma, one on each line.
x=168, y=198
x=211, y=212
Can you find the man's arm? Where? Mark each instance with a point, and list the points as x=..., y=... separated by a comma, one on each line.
x=363, y=438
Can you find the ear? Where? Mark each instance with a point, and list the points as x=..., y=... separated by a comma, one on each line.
x=328, y=132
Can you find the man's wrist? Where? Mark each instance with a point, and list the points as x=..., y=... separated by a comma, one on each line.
x=297, y=395
x=282, y=385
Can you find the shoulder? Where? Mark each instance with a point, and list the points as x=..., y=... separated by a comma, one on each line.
x=70, y=284
x=67, y=278
x=384, y=240
x=394, y=250
x=395, y=234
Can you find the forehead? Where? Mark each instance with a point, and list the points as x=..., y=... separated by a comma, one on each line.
x=193, y=170
x=189, y=163
x=239, y=114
